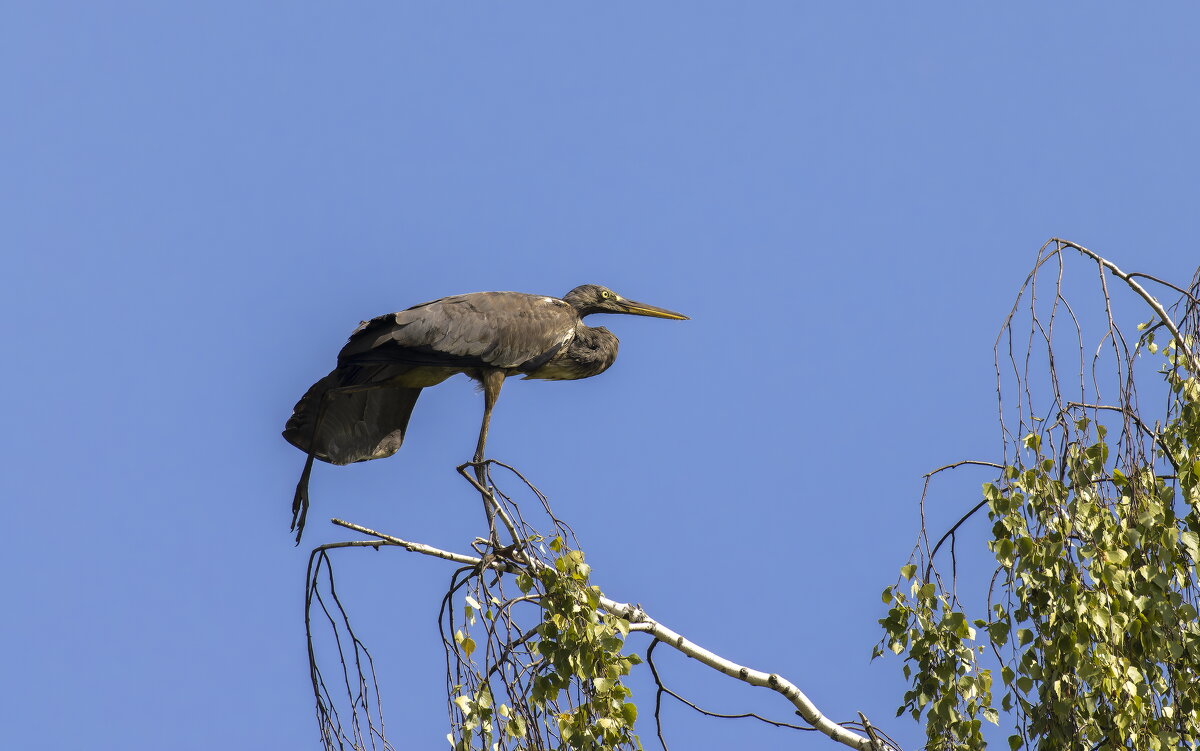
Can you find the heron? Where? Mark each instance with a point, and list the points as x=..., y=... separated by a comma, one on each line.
x=360, y=411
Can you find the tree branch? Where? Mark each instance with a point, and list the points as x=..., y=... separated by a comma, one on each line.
x=1154, y=304
x=423, y=549
x=1133, y=417
x=662, y=689
x=804, y=706
x=641, y=621
x=964, y=462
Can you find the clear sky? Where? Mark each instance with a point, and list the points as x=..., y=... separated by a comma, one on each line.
x=201, y=200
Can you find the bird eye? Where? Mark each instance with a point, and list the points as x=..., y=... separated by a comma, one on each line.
x=605, y=294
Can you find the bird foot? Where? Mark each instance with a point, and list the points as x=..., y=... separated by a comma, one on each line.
x=300, y=500
x=299, y=509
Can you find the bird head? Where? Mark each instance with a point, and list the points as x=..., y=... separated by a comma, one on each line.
x=592, y=298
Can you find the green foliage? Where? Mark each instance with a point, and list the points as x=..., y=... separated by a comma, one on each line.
x=576, y=663
x=1092, y=615
x=947, y=681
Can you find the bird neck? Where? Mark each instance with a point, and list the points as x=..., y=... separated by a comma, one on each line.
x=584, y=301
x=592, y=350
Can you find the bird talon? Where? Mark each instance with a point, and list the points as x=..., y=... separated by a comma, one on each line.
x=300, y=500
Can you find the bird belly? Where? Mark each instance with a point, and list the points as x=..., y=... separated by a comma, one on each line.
x=423, y=376
x=562, y=369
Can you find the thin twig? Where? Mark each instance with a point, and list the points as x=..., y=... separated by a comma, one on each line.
x=950, y=533
x=955, y=465
x=662, y=689
x=1154, y=304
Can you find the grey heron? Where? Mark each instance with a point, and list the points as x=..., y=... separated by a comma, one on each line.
x=360, y=411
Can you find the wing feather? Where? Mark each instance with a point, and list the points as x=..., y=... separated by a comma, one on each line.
x=482, y=329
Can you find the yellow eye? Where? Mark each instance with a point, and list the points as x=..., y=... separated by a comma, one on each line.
x=605, y=294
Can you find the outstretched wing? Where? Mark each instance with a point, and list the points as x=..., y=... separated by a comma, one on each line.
x=482, y=329
x=352, y=415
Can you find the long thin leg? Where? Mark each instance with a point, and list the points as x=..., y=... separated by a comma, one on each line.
x=492, y=381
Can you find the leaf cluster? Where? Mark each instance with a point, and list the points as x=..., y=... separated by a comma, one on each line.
x=940, y=661
x=573, y=661
x=1092, y=615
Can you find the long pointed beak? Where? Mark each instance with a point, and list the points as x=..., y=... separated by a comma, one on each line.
x=642, y=309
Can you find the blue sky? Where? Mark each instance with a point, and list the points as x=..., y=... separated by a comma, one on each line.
x=201, y=201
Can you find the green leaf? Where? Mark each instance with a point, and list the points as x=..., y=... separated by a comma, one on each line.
x=998, y=632
x=1191, y=542
x=1024, y=546
x=629, y=712
x=515, y=727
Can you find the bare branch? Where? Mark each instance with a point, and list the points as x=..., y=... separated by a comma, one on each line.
x=1133, y=417
x=416, y=547
x=956, y=465
x=950, y=534
x=1154, y=304
x=804, y=706
x=876, y=745
x=662, y=689
x=1192, y=298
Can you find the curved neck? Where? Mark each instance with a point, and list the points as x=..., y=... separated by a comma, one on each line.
x=583, y=304
x=592, y=350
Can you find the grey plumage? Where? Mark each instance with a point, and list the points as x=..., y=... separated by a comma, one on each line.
x=360, y=411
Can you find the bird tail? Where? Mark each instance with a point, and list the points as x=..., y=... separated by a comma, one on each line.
x=352, y=415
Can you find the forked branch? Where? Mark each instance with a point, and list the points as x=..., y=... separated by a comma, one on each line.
x=1154, y=304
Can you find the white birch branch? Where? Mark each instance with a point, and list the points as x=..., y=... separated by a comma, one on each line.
x=639, y=620
x=643, y=622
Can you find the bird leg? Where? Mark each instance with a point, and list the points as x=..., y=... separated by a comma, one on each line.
x=300, y=500
x=492, y=380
